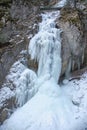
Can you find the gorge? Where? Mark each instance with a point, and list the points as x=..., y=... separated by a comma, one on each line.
x=43, y=104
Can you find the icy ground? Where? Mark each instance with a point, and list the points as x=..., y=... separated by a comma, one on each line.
x=77, y=91
x=46, y=108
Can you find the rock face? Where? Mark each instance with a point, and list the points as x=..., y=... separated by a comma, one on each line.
x=7, y=109
x=74, y=40
x=18, y=23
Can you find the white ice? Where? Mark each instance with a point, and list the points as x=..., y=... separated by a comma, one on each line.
x=61, y=3
x=45, y=48
x=48, y=109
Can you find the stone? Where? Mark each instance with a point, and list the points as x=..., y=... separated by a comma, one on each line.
x=3, y=115
x=18, y=23
x=73, y=45
x=7, y=109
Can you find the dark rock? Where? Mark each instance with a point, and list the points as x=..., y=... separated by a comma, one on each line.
x=5, y=2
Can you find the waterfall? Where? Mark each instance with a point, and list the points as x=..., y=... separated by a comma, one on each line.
x=45, y=47
x=47, y=107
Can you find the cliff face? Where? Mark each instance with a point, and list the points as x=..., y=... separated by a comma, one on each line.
x=73, y=23
x=18, y=23
x=18, y=20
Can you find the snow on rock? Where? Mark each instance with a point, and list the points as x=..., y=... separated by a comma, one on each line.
x=25, y=86
x=77, y=92
x=22, y=81
x=5, y=94
x=10, y=84
x=15, y=71
x=61, y=3
x=11, y=79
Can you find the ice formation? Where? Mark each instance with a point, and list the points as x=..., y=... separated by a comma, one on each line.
x=25, y=85
x=45, y=48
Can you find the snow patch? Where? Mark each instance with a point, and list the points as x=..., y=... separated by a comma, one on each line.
x=5, y=94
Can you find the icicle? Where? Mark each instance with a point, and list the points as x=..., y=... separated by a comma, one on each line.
x=67, y=73
x=26, y=87
x=45, y=47
x=73, y=64
x=83, y=57
x=78, y=63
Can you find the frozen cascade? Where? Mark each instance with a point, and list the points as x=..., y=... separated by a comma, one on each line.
x=25, y=85
x=45, y=48
x=49, y=108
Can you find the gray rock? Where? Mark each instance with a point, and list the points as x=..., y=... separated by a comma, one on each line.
x=73, y=45
x=18, y=23
x=3, y=115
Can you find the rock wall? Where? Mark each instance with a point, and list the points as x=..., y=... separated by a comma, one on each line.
x=73, y=23
x=17, y=21
x=18, y=24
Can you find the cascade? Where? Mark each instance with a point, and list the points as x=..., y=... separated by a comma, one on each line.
x=44, y=105
x=45, y=48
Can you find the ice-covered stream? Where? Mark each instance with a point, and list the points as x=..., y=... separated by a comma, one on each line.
x=48, y=108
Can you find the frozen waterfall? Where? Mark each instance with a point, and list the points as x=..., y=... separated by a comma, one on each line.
x=48, y=108
x=45, y=48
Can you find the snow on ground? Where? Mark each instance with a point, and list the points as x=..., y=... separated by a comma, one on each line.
x=53, y=108
x=77, y=91
x=48, y=109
